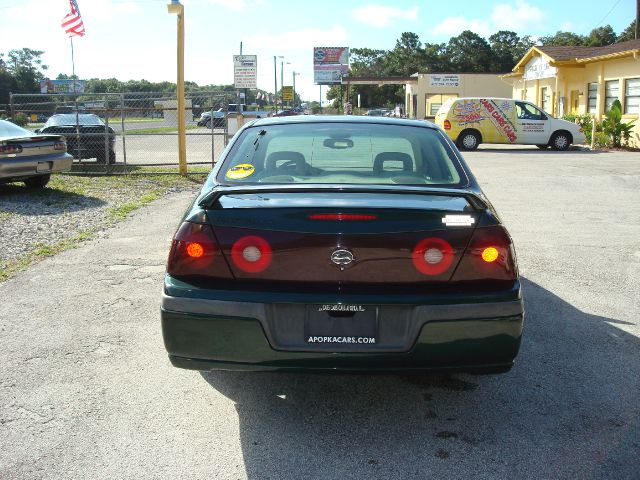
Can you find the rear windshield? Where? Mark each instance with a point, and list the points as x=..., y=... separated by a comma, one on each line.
x=8, y=129
x=70, y=119
x=343, y=153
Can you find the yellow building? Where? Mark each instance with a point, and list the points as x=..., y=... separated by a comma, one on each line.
x=581, y=80
x=427, y=91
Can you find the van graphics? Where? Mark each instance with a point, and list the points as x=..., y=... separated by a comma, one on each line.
x=500, y=119
x=532, y=127
x=468, y=113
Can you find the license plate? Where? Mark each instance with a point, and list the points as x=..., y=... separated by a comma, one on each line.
x=342, y=325
x=43, y=167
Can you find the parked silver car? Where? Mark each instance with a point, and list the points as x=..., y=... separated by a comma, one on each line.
x=30, y=158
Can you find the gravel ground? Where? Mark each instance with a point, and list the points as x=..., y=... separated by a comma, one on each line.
x=72, y=208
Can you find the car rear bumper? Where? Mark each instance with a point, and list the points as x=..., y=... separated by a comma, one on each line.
x=13, y=169
x=212, y=334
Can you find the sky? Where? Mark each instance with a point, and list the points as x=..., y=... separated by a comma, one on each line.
x=136, y=39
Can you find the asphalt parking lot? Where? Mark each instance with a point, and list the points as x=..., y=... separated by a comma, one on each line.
x=86, y=390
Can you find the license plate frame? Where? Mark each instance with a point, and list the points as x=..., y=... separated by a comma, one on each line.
x=341, y=325
x=42, y=167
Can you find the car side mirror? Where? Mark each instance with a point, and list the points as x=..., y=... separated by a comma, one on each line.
x=37, y=130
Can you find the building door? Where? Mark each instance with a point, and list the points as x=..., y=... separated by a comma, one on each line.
x=575, y=102
x=414, y=112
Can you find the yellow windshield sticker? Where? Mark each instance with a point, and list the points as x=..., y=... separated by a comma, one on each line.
x=240, y=171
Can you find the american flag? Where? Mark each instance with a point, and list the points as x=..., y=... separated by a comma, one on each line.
x=72, y=21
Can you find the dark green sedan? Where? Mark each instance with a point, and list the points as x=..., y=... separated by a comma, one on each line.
x=342, y=243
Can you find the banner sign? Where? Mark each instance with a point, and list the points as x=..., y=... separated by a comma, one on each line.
x=245, y=71
x=62, y=86
x=287, y=93
x=539, y=68
x=444, y=81
x=329, y=74
x=330, y=55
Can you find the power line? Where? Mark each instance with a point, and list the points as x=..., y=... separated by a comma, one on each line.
x=608, y=13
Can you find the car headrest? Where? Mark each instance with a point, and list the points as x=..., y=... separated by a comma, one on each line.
x=381, y=158
x=275, y=157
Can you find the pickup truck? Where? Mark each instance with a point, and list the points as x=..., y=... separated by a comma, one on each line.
x=219, y=115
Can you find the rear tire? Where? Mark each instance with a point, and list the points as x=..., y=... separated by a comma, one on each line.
x=543, y=147
x=37, y=182
x=112, y=157
x=468, y=140
x=561, y=141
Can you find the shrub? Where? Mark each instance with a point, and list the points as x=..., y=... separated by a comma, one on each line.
x=602, y=140
x=583, y=121
x=615, y=128
x=20, y=119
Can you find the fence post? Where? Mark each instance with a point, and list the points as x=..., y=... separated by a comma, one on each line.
x=13, y=118
x=123, y=133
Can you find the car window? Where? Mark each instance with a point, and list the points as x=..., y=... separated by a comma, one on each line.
x=8, y=129
x=341, y=153
x=526, y=111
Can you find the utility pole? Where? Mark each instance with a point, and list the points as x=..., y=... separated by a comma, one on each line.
x=637, y=19
x=282, y=80
x=176, y=7
x=275, y=83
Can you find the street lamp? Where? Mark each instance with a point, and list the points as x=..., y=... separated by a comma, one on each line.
x=176, y=7
x=275, y=80
x=295, y=74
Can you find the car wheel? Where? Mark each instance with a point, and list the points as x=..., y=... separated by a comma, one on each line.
x=543, y=147
x=468, y=140
x=208, y=124
x=37, y=182
x=112, y=157
x=560, y=141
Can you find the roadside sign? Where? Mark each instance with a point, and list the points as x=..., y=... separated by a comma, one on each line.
x=245, y=71
x=61, y=86
x=287, y=93
x=330, y=64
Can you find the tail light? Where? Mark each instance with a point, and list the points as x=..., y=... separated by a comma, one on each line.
x=60, y=146
x=432, y=256
x=447, y=125
x=9, y=149
x=489, y=256
x=251, y=254
x=194, y=251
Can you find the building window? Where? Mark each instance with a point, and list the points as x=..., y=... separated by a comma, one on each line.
x=632, y=96
x=611, y=93
x=545, y=98
x=433, y=102
x=592, y=101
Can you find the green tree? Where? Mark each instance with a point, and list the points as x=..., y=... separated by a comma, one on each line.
x=628, y=33
x=469, y=52
x=21, y=72
x=601, y=36
x=507, y=49
x=563, y=39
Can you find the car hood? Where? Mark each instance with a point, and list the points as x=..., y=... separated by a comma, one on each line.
x=567, y=125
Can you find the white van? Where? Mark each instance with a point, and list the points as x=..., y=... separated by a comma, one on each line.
x=472, y=121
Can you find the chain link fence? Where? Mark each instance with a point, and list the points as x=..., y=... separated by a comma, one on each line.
x=129, y=132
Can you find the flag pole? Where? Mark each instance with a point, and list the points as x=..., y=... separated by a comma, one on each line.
x=73, y=67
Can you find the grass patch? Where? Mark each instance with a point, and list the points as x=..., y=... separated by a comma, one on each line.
x=121, y=194
x=147, y=131
x=9, y=268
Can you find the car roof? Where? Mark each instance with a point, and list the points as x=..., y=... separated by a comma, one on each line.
x=341, y=119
